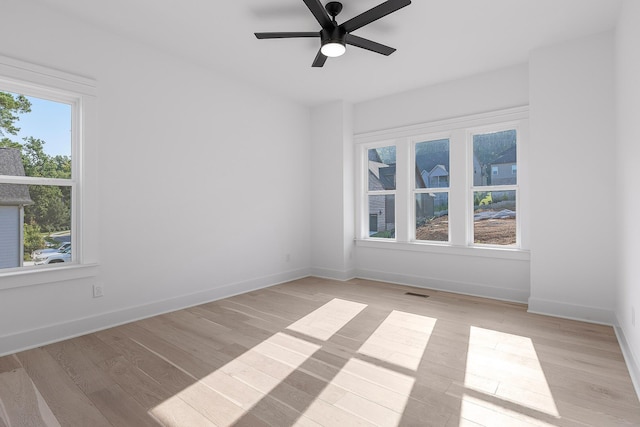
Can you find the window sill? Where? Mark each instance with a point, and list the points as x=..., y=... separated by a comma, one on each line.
x=31, y=276
x=447, y=249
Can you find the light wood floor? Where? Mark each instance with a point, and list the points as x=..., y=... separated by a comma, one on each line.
x=317, y=352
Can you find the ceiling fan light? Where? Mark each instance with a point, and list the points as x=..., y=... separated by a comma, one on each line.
x=333, y=49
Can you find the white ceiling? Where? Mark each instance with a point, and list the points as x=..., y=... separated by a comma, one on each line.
x=437, y=40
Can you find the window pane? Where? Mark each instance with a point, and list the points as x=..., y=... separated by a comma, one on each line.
x=382, y=216
x=47, y=224
x=41, y=130
x=432, y=216
x=46, y=214
x=382, y=168
x=432, y=164
x=494, y=158
x=494, y=219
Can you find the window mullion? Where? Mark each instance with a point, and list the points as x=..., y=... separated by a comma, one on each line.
x=458, y=195
x=403, y=191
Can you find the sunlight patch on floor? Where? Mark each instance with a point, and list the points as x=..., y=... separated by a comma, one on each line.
x=401, y=339
x=506, y=368
x=224, y=396
x=361, y=392
x=478, y=412
x=328, y=319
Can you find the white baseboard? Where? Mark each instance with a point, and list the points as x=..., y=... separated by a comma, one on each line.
x=571, y=311
x=29, y=339
x=326, y=273
x=629, y=357
x=466, y=288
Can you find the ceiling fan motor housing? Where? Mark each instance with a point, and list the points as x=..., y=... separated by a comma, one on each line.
x=333, y=35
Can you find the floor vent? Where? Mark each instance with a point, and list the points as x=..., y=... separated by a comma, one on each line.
x=413, y=294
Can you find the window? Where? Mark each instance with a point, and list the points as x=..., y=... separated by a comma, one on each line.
x=451, y=183
x=381, y=194
x=495, y=195
x=43, y=121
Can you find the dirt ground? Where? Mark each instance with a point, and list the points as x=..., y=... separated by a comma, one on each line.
x=489, y=231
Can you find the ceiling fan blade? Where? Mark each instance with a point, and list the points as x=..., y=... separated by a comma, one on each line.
x=287, y=35
x=369, y=45
x=320, y=60
x=319, y=12
x=374, y=14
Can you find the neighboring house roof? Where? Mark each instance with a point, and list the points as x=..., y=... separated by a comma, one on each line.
x=507, y=156
x=381, y=176
x=11, y=164
x=426, y=162
x=374, y=156
x=438, y=170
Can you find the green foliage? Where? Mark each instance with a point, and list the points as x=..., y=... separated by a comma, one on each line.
x=7, y=143
x=32, y=239
x=482, y=198
x=10, y=105
x=38, y=163
x=429, y=147
x=51, y=208
x=490, y=146
x=52, y=205
x=386, y=234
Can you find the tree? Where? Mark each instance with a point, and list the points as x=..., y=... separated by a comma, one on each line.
x=32, y=237
x=10, y=105
x=51, y=209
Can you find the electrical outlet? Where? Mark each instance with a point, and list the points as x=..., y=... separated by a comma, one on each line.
x=287, y=257
x=97, y=291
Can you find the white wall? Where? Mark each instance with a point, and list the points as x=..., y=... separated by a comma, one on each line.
x=203, y=183
x=496, y=90
x=332, y=200
x=440, y=269
x=572, y=165
x=628, y=127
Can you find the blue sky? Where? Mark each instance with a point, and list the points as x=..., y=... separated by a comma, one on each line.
x=49, y=121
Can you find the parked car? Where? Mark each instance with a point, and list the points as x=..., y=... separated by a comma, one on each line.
x=35, y=254
x=63, y=255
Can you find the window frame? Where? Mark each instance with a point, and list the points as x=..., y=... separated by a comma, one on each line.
x=471, y=132
x=458, y=131
x=80, y=93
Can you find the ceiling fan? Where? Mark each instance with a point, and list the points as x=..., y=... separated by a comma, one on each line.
x=334, y=37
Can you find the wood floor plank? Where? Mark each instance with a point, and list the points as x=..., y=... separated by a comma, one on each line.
x=120, y=410
x=169, y=376
x=21, y=402
x=142, y=388
x=317, y=352
x=68, y=403
x=9, y=363
x=173, y=354
x=72, y=358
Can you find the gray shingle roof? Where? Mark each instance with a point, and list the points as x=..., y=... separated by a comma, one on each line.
x=11, y=164
x=507, y=156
